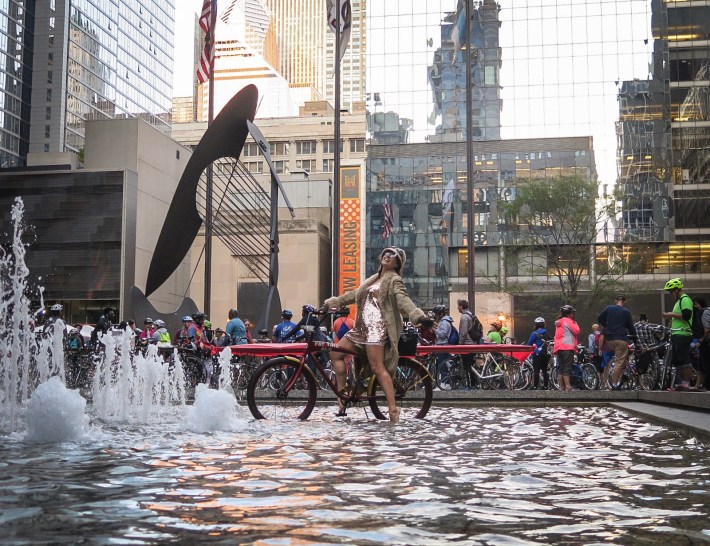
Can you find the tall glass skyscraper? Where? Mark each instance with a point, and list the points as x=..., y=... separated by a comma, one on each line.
x=16, y=39
x=99, y=59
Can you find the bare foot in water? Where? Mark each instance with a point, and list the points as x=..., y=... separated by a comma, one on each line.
x=394, y=415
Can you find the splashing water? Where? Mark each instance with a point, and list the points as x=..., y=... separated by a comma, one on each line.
x=55, y=413
x=25, y=360
x=139, y=388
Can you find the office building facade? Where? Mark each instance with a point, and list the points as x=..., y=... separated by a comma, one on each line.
x=99, y=59
x=16, y=55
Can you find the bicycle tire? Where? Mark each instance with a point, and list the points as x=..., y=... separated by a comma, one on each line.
x=505, y=370
x=648, y=381
x=458, y=376
x=411, y=382
x=590, y=377
x=555, y=377
x=527, y=373
x=264, y=396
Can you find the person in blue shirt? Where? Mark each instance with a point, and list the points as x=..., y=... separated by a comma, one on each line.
x=541, y=354
x=282, y=330
x=236, y=330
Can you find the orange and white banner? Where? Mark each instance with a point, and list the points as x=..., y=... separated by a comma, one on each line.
x=350, y=224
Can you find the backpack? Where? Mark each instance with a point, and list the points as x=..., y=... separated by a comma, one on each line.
x=475, y=332
x=453, y=333
x=696, y=323
x=544, y=348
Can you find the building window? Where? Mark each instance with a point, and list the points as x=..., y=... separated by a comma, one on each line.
x=46, y=147
x=329, y=146
x=50, y=58
x=308, y=165
x=357, y=145
x=50, y=40
x=280, y=167
x=305, y=147
x=48, y=114
x=328, y=165
x=279, y=148
x=50, y=76
x=254, y=167
x=49, y=95
x=47, y=131
x=251, y=149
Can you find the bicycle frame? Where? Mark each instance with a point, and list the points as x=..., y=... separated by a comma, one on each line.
x=314, y=347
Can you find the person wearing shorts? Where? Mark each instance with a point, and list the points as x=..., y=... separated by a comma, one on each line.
x=566, y=333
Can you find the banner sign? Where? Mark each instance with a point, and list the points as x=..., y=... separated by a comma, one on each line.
x=350, y=224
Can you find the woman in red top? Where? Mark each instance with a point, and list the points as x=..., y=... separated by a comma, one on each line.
x=566, y=332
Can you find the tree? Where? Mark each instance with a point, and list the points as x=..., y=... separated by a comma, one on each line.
x=556, y=226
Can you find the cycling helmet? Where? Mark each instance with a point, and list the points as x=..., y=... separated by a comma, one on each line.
x=159, y=323
x=57, y=307
x=539, y=320
x=497, y=324
x=74, y=331
x=439, y=309
x=187, y=318
x=673, y=284
x=309, y=309
x=323, y=329
x=149, y=320
x=287, y=313
x=198, y=315
x=567, y=310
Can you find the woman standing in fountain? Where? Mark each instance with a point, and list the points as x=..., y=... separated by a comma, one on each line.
x=381, y=301
x=566, y=332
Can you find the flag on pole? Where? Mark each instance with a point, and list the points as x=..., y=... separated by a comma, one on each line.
x=459, y=33
x=345, y=22
x=388, y=221
x=207, y=57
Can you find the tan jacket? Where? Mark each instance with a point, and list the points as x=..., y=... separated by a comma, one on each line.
x=394, y=303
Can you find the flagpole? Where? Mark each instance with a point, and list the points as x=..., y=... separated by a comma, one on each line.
x=208, y=191
x=336, y=159
x=471, y=246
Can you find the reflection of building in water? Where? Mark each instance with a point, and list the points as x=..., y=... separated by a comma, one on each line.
x=643, y=161
x=447, y=75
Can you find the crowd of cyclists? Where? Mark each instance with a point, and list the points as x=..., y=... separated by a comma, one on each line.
x=609, y=345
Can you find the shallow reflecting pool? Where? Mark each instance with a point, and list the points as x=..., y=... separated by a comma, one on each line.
x=469, y=476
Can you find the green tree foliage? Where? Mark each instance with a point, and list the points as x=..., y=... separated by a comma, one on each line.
x=560, y=220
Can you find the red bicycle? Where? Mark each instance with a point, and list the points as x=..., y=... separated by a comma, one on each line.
x=286, y=387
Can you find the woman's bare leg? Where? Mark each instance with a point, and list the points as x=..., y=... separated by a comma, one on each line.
x=376, y=358
x=337, y=361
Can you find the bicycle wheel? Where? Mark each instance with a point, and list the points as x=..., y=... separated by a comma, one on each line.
x=411, y=381
x=527, y=372
x=458, y=376
x=555, y=377
x=265, y=395
x=501, y=372
x=442, y=374
x=328, y=371
x=647, y=381
x=590, y=377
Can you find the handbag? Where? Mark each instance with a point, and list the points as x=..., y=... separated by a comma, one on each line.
x=408, y=340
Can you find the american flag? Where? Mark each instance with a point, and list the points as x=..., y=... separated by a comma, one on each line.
x=388, y=222
x=207, y=58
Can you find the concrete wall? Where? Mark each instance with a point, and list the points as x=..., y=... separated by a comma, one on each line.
x=157, y=163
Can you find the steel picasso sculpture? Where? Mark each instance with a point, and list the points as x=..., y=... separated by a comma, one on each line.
x=243, y=215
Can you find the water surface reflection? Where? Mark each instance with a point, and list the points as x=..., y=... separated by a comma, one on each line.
x=469, y=476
